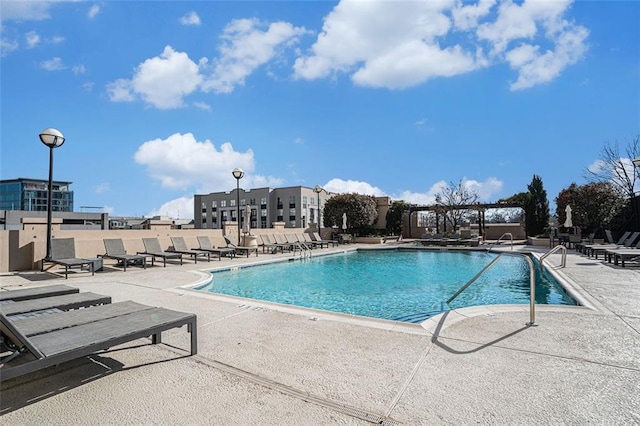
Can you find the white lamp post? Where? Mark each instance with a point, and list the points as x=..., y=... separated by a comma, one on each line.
x=238, y=173
x=52, y=138
x=318, y=189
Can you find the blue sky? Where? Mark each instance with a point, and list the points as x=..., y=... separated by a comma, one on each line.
x=162, y=100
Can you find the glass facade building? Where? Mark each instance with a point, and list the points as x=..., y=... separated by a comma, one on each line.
x=31, y=195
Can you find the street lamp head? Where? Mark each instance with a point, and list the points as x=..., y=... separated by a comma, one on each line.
x=317, y=189
x=237, y=173
x=52, y=138
x=636, y=162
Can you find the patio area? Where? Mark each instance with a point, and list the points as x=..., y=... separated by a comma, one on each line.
x=260, y=363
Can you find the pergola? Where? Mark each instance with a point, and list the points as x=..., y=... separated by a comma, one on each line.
x=443, y=209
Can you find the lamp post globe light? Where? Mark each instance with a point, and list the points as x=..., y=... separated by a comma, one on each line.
x=52, y=138
x=318, y=189
x=238, y=173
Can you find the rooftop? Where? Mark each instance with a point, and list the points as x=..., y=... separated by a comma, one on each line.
x=260, y=363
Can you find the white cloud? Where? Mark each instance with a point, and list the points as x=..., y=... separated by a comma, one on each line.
x=93, y=11
x=53, y=64
x=466, y=16
x=340, y=186
x=597, y=166
x=419, y=41
x=24, y=10
x=102, y=188
x=181, y=208
x=536, y=68
x=486, y=190
x=182, y=162
x=32, y=39
x=398, y=51
x=190, y=18
x=120, y=91
x=7, y=46
x=202, y=105
x=79, y=69
x=248, y=44
x=162, y=81
x=425, y=198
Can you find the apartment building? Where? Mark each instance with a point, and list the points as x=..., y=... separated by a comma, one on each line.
x=296, y=207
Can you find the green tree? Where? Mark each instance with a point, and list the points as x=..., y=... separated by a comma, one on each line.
x=594, y=207
x=536, y=208
x=394, y=217
x=361, y=212
x=535, y=205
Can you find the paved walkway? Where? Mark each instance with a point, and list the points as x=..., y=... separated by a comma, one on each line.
x=263, y=364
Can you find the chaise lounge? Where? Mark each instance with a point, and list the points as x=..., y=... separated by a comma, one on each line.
x=53, y=339
x=205, y=245
x=180, y=246
x=114, y=248
x=241, y=249
x=63, y=253
x=152, y=248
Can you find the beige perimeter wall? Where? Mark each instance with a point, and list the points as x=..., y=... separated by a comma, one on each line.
x=23, y=250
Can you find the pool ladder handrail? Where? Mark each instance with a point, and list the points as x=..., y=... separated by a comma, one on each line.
x=305, y=250
x=563, y=262
x=532, y=285
x=500, y=239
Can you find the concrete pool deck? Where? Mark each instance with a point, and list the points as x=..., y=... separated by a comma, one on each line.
x=260, y=363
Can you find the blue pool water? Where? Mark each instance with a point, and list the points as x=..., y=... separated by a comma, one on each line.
x=404, y=285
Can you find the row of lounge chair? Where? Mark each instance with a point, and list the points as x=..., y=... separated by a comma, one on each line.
x=625, y=249
x=63, y=250
x=45, y=326
x=439, y=239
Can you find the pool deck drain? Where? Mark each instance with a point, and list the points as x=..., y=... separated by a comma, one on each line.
x=266, y=364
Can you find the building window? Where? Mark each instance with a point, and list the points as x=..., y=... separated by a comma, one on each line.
x=232, y=203
x=243, y=202
x=214, y=204
x=223, y=203
x=292, y=201
x=292, y=212
x=292, y=223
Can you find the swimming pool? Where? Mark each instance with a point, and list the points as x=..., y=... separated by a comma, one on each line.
x=403, y=285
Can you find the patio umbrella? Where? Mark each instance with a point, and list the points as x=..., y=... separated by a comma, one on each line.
x=246, y=217
x=344, y=221
x=568, y=223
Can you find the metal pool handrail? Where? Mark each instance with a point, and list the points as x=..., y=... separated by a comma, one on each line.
x=563, y=262
x=500, y=239
x=532, y=285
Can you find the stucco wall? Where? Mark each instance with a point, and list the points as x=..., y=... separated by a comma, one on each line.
x=23, y=250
